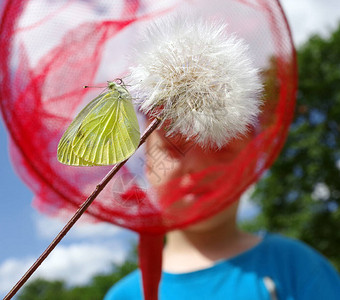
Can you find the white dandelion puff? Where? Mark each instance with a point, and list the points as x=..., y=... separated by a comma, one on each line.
x=200, y=78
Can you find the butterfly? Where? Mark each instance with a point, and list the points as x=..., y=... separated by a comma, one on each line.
x=105, y=132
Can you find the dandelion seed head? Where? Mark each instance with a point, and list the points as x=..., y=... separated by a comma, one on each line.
x=199, y=77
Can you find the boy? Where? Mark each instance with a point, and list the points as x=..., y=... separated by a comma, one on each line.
x=214, y=259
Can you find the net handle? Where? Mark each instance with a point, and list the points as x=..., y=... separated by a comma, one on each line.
x=77, y=215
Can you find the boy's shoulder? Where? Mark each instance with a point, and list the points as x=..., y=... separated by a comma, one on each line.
x=279, y=246
x=293, y=265
x=126, y=288
x=297, y=267
x=281, y=253
x=286, y=246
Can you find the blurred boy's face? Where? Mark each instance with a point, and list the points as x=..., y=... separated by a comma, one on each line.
x=169, y=158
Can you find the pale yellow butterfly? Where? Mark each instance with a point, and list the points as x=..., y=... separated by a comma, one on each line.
x=105, y=132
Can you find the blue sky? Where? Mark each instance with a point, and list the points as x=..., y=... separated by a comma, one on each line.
x=24, y=233
x=14, y=207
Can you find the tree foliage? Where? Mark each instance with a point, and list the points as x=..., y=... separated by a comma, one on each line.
x=55, y=290
x=300, y=195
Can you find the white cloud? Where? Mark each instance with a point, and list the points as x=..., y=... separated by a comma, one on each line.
x=338, y=164
x=97, y=247
x=321, y=192
x=308, y=17
x=48, y=228
x=10, y=271
x=79, y=262
x=75, y=264
x=247, y=209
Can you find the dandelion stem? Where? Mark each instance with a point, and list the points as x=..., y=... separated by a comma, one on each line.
x=77, y=215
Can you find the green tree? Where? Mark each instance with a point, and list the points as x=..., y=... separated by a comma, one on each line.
x=55, y=290
x=43, y=290
x=300, y=195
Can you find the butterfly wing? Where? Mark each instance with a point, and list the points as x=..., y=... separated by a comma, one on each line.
x=110, y=132
x=65, y=153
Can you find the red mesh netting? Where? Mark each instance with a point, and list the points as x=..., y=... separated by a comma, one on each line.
x=50, y=49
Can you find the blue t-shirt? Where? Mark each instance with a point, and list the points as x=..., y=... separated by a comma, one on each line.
x=277, y=268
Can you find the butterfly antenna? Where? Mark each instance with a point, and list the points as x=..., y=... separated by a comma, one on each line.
x=93, y=86
x=96, y=87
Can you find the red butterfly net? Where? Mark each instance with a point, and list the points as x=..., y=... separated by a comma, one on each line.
x=49, y=49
